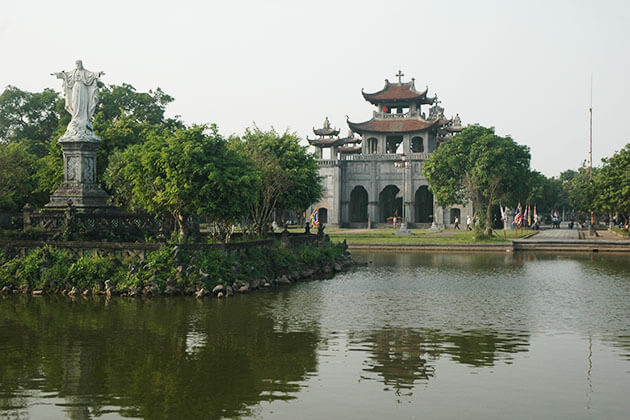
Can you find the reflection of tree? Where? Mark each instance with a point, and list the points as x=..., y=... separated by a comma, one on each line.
x=403, y=357
x=133, y=354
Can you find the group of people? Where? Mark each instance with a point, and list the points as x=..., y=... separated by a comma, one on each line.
x=469, y=223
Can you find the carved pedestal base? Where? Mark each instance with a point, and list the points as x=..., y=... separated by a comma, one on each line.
x=79, y=184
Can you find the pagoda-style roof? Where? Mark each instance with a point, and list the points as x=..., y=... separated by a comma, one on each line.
x=392, y=126
x=326, y=130
x=349, y=150
x=398, y=92
x=328, y=142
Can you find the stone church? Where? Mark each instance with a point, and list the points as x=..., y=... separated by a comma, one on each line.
x=370, y=173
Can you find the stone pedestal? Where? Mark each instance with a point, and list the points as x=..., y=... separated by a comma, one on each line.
x=79, y=184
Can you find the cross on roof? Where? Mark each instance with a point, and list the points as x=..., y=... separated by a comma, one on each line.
x=400, y=74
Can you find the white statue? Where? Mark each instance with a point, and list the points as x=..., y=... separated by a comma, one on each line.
x=81, y=93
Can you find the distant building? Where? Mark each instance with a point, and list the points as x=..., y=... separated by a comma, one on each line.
x=362, y=177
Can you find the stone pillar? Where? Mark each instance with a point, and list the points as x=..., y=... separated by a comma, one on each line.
x=79, y=184
x=345, y=213
x=373, y=215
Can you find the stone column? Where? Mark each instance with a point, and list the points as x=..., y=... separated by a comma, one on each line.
x=345, y=213
x=373, y=212
x=79, y=184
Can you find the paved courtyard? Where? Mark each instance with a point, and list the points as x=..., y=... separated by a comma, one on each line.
x=563, y=234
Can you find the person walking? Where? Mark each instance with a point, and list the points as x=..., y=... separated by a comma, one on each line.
x=457, y=222
x=468, y=227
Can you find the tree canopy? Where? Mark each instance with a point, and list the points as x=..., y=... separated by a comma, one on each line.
x=182, y=173
x=479, y=166
x=289, y=175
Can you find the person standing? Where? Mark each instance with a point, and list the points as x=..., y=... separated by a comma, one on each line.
x=468, y=227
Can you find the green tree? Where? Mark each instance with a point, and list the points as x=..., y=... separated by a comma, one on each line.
x=289, y=175
x=478, y=166
x=29, y=117
x=17, y=175
x=612, y=184
x=181, y=173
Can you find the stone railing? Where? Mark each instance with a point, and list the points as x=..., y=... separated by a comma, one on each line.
x=327, y=162
x=386, y=156
x=395, y=116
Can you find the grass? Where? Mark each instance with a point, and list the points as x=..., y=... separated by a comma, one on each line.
x=449, y=236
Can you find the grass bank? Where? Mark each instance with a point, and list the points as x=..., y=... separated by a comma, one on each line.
x=169, y=271
x=421, y=236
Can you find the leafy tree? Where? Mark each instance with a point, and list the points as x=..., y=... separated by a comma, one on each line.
x=29, y=117
x=17, y=175
x=289, y=174
x=478, y=166
x=546, y=193
x=612, y=184
x=181, y=173
x=580, y=188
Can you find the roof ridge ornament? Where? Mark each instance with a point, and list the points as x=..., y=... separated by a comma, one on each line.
x=400, y=75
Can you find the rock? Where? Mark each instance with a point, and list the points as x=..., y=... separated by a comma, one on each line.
x=284, y=280
x=243, y=289
x=73, y=291
x=218, y=289
x=254, y=284
x=170, y=290
x=37, y=292
x=337, y=267
x=203, y=274
x=108, y=285
x=86, y=292
x=266, y=284
x=133, y=292
x=200, y=293
x=220, y=295
x=24, y=288
x=229, y=291
x=5, y=290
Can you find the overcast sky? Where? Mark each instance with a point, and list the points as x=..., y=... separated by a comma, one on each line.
x=523, y=67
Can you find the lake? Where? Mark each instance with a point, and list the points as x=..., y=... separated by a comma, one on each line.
x=418, y=335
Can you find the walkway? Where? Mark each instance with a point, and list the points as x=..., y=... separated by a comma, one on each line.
x=565, y=239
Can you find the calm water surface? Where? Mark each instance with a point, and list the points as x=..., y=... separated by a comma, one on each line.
x=408, y=336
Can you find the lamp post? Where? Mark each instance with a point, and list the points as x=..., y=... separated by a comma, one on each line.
x=404, y=165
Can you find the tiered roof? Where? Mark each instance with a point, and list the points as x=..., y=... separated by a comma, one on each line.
x=392, y=126
x=394, y=93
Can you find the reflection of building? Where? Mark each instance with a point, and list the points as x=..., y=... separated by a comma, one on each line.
x=361, y=183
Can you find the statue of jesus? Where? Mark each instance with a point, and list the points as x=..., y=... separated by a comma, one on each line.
x=81, y=94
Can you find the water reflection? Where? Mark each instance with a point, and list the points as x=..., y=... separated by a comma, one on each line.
x=404, y=357
x=155, y=359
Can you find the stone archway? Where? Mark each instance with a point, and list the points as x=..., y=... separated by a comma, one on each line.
x=358, y=205
x=322, y=215
x=424, y=205
x=389, y=205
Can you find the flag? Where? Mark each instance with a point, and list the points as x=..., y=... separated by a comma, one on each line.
x=502, y=213
x=525, y=215
x=518, y=216
x=529, y=215
x=535, y=214
x=315, y=218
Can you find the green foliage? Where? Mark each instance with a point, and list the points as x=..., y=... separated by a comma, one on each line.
x=184, y=173
x=29, y=117
x=288, y=173
x=17, y=175
x=53, y=270
x=479, y=166
x=612, y=183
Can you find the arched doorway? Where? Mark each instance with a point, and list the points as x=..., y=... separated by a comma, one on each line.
x=424, y=205
x=456, y=213
x=389, y=204
x=358, y=205
x=322, y=215
x=417, y=145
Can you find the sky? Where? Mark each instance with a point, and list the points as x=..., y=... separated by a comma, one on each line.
x=523, y=67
